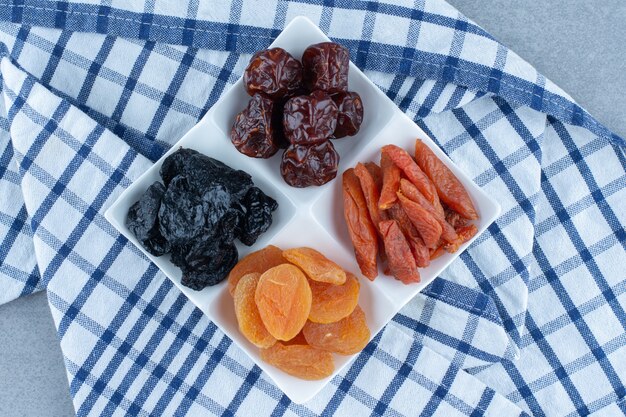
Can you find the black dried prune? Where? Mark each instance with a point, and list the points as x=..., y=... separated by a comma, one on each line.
x=326, y=67
x=181, y=216
x=310, y=119
x=203, y=172
x=174, y=164
x=274, y=73
x=303, y=166
x=143, y=220
x=350, y=114
x=205, y=262
x=258, y=217
x=255, y=128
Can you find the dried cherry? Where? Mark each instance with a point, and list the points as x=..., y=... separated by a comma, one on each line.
x=303, y=166
x=350, y=114
x=255, y=132
x=326, y=67
x=308, y=120
x=273, y=72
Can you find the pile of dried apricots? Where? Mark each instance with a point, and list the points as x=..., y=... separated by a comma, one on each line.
x=407, y=210
x=299, y=307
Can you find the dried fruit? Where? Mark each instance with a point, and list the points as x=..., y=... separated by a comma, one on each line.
x=362, y=231
x=427, y=226
x=255, y=132
x=315, y=265
x=333, y=302
x=259, y=261
x=400, y=258
x=283, y=297
x=257, y=217
x=346, y=336
x=376, y=173
x=391, y=182
x=302, y=361
x=455, y=219
x=299, y=339
x=143, y=220
x=350, y=114
x=410, y=191
x=436, y=253
x=465, y=233
x=418, y=248
x=326, y=67
x=309, y=120
x=248, y=317
x=371, y=192
x=204, y=262
x=448, y=187
x=403, y=160
x=303, y=166
x=273, y=72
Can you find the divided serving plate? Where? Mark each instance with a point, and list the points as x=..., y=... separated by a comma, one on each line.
x=310, y=217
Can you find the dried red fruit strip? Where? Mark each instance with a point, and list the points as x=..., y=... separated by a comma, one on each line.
x=455, y=219
x=465, y=233
x=420, y=252
x=401, y=261
x=370, y=192
x=403, y=160
x=448, y=186
x=391, y=182
x=410, y=233
x=362, y=232
x=376, y=173
x=411, y=192
x=436, y=253
x=425, y=223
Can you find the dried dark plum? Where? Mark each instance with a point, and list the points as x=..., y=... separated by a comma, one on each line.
x=181, y=216
x=310, y=119
x=273, y=72
x=258, y=217
x=350, y=114
x=255, y=128
x=203, y=172
x=174, y=164
x=303, y=166
x=205, y=262
x=325, y=67
x=143, y=220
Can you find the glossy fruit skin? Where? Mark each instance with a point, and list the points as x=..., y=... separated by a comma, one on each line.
x=257, y=215
x=248, y=317
x=315, y=265
x=331, y=302
x=283, y=297
x=305, y=166
x=401, y=260
x=346, y=336
x=350, y=115
x=302, y=361
x=391, y=182
x=448, y=187
x=255, y=132
x=259, y=261
x=143, y=220
x=362, y=231
x=326, y=67
x=309, y=120
x=427, y=226
x=274, y=73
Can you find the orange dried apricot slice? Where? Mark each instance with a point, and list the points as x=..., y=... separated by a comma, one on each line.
x=259, y=261
x=315, y=265
x=302, y=361
x=333, y=302
x=346, y=336
x=250, y=323
x=283, y=297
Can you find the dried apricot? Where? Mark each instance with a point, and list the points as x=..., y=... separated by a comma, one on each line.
x=333, y=302
x=448, y=186
x=259, y=261
x=391, y=182
x=346, y=337
x=283, y=297
x=410, y=191
x=250, y=323
x=403, y=160
x=302, y=361
x=401, y=260
x=465, y=233
x=299, y=339
x=315, y=265
x=427, y=226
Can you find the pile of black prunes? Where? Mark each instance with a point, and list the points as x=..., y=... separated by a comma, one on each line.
x=198, y=211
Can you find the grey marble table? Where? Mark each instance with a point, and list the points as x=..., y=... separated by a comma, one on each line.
x=577, y=43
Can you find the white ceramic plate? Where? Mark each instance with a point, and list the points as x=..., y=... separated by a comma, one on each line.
x=306, y=217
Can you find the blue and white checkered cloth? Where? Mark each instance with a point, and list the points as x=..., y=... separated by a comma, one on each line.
x=529, y=321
